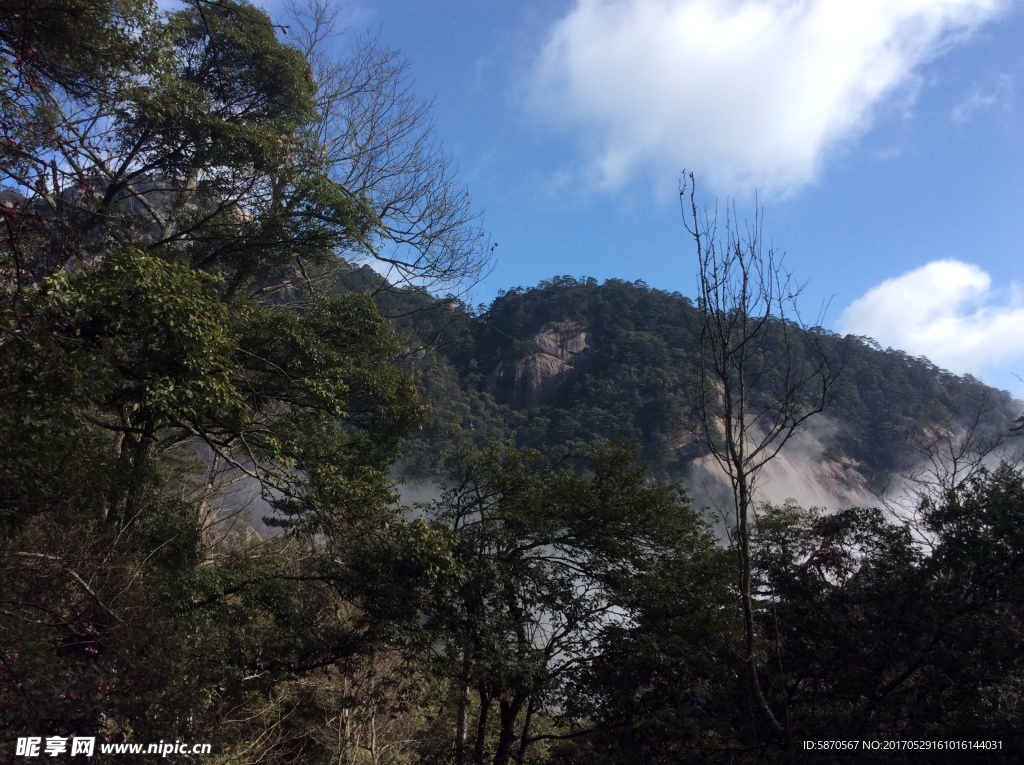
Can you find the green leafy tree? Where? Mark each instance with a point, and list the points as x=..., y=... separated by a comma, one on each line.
x=882, y=633
x=662, y=688
x=165, y=362
x=545, y=553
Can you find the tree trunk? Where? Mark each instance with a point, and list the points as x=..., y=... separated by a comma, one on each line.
x=747, y=600
x=463, y=717
x=481, y=727
x=509, y=711
x=524, y=736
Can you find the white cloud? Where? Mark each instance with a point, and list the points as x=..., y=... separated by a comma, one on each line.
x=946, y=310
x=998, y=93
x=750, y=93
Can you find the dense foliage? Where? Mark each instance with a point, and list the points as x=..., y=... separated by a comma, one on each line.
x=163, y=193
x=203, y=402
x=636, y=380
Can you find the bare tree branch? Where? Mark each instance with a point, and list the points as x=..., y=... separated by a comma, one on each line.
x=761, y=374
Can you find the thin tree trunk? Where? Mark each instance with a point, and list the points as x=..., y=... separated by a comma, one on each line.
x=481, y=727
x=747, y=600
x=525, y=736
x=463, y=717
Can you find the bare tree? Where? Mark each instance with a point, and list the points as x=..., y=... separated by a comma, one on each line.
x=377, y=141
x=949, y=456
x=761, y=373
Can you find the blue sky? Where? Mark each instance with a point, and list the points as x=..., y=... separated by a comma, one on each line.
x=884, y=138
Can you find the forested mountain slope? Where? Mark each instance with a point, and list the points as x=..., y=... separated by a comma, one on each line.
x=572, y=361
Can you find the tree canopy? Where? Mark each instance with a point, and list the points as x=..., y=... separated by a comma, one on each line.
x=168, y=370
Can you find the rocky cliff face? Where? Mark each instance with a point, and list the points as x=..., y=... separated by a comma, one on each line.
x=529, y=381
x=802, y=471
